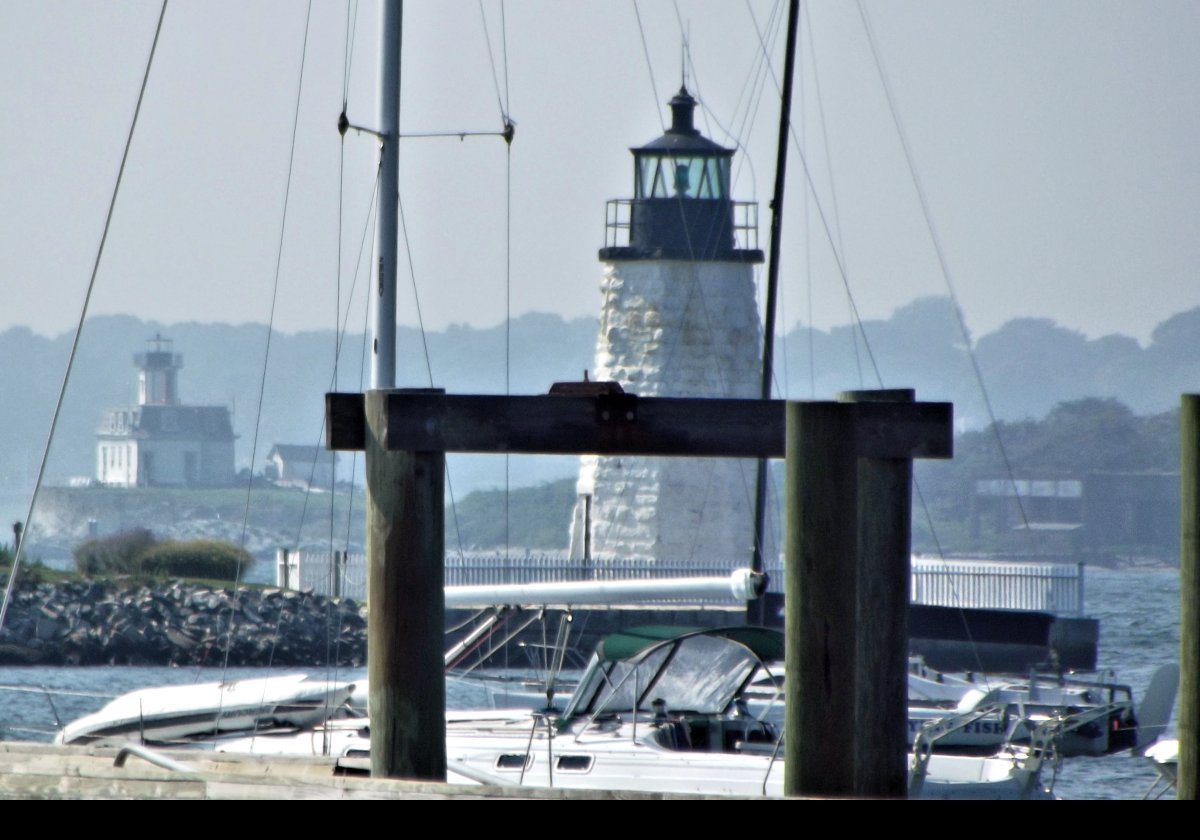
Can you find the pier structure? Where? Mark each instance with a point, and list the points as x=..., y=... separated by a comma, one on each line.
x=847, y=567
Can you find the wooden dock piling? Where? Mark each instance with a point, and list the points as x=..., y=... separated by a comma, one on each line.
x=849, y=471
x=406, y=602
x=1188, y=717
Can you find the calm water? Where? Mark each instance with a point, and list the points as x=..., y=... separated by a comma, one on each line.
x=1139, y=630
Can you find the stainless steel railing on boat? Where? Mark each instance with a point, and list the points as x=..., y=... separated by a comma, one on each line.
x=154, y=757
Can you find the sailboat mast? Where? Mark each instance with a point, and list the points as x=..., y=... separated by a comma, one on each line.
x=383, y=351
x=754, y=610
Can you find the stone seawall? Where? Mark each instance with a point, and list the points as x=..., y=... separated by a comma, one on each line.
x=175, y=623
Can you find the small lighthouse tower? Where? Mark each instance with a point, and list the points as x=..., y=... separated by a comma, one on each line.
x=158, y=374
x=160, y=441
x=679, y=319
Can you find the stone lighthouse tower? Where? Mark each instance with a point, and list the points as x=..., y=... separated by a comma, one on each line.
x=679, y=319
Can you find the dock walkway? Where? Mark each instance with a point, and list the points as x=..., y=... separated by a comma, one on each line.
x=31, y=770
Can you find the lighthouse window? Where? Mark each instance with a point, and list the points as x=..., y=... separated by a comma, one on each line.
x=682, y=177
x=651, y=183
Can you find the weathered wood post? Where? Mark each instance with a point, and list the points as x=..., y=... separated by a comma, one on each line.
x=406, y=602
x=881, y=654
x=1188, y=718
x=820, y=587
x=849, y=468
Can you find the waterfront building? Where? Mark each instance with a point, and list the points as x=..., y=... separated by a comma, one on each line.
x=160, y=441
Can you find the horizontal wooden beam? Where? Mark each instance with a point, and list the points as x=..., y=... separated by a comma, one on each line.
x=623, y=424
x=346, y=422
x=567, y=425
x=904, y=430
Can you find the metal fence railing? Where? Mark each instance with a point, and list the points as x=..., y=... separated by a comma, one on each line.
x=990, y=584
x=618, y=224
x=1046, y=587
x=344, y=574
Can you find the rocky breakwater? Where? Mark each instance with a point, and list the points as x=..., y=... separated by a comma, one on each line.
x=176, y=623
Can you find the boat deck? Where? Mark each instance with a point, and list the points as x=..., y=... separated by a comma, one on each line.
x=44, y=771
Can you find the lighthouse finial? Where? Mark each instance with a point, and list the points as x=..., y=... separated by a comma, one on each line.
x=683, y=57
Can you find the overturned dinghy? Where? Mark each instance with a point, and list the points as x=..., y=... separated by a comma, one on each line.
x=187, y=712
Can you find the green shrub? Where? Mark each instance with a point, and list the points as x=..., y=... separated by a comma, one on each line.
x=210, y=559
x=113, y=555
x=139, y=553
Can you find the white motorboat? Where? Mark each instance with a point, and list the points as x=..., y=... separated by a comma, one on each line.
x=187, y=712
x=1011, y=707
x=1019, y=704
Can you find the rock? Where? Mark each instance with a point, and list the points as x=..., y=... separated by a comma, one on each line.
x=92, y=623
x=47, y=629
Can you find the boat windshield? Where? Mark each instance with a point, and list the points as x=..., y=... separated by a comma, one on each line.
x=697, y=673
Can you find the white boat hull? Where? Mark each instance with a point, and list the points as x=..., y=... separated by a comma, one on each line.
x=175, y=713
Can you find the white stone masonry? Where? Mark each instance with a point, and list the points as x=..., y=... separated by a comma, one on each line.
x=675, y=328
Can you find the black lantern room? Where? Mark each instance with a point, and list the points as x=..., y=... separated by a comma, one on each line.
x=681, y=209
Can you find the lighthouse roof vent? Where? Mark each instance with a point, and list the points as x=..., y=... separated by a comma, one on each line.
x=683, y=137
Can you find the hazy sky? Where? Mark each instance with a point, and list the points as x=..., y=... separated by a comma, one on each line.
x=1056, y=143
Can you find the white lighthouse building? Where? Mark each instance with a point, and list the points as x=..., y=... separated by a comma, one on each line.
x=159, y=441
x=679, y=319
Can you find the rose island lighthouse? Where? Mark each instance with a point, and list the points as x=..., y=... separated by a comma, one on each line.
x=679, y=319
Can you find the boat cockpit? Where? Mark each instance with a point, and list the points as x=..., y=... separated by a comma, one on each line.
x=688, y=686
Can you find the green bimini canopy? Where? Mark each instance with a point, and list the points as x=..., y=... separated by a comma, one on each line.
x=764, y=642
x=702, y=671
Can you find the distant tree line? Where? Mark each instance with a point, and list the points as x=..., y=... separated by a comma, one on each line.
x=1080, y=440
x=1076, y=438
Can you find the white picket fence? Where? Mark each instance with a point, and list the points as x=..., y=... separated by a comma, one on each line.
x=1046, y=587
x=991, y=584
x=340, y=574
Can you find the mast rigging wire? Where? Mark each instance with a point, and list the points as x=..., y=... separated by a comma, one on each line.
x=753, y=101
x=504, y=57
x=62, y=391
x=340, y=327
x=348, y=50
x=362, y=358
x=695, y=291
x=649, y=65
x=835, y=252
x=943, y=264
x=838, y=259
x=501, y=101
x=266, y=362
x=340, y=332
x=262, y=387
x=368, y=235
x=506, y=133
x=833, y=192
x=509, y=127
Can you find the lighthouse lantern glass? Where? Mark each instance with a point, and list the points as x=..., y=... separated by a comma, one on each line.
x=675, y=176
